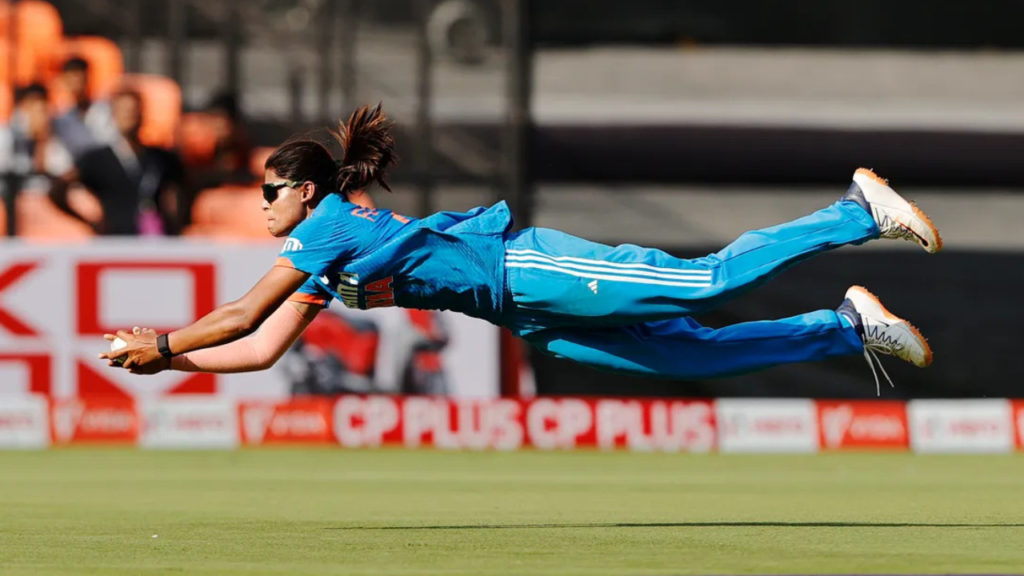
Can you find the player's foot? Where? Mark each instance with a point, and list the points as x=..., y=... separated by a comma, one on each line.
x=897, y=218
x=883, y=332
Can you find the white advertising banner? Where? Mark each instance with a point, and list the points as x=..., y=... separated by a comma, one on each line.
x=57, y=301
x=189, y=422
x=767, y=425
x=24, y=422
x=960, y=425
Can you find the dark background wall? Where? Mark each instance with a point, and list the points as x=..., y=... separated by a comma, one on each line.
x=969, y=302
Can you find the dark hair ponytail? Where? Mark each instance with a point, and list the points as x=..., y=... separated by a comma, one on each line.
x=369, y=151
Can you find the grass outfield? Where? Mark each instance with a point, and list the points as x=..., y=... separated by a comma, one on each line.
x=313, y=511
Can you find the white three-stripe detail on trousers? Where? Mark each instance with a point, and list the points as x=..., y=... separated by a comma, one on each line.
x=614, y=271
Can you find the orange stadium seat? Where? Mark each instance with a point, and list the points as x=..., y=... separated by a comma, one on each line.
x=6, y=101
x=198, y=140
x=161, y=108
x=259, y=159
x=229, y=211
x=39, y=33
x=106, y=67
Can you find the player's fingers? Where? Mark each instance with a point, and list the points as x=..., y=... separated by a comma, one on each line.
x=110, y=337
x=124, y=335
x=136, y=330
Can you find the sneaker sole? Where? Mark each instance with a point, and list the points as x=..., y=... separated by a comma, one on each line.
x=935, y=246
x=890, y=316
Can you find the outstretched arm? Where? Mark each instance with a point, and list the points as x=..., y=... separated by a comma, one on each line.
x=225, y=324
x=257, y=352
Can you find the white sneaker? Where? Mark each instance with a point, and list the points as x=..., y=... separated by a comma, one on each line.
x=883, y=332
x=897, y=218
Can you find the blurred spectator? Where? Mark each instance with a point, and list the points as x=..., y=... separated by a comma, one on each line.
x=228, y=160
x=27, y=147
x=233, y=149
x=88, y=124
x=137, y=185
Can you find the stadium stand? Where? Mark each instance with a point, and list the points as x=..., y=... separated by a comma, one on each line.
x=106, y=67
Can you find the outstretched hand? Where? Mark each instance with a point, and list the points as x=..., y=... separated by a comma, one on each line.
x=141, y=354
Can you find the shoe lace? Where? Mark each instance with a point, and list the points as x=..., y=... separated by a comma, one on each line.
x=891, y=228
x=872, y=358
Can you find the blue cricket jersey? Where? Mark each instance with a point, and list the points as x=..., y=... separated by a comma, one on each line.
x=375, y=258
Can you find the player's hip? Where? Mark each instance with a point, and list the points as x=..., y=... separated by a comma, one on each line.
x=556, y=280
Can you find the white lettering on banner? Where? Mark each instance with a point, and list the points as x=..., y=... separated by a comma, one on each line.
x=363, y=422
x=504, y=417
x=836, y=423
x=673, y=426
x=840, y=422
x=961, y=425
x=557, y=424
x=767, y=425
x=189, y=422
x=256, y=421
x=284, y=422
x=476, y=425
x=24, y=423
x=297, y=424
x=73, y=417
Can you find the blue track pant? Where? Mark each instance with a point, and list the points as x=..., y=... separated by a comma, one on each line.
x=626, y=308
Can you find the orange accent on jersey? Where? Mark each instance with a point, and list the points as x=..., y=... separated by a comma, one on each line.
x=282, y=261
x=368, y=213
x=400, y=218
x=308, y=299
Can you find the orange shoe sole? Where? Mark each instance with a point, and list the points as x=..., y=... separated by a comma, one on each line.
x=917, y=211
x=895, y=318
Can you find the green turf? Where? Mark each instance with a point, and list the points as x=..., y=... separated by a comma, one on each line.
x=394, y=512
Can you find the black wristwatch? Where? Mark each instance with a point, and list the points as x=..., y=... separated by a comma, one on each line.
x=163, y=347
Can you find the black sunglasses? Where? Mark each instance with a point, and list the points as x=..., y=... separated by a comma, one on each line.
x=270, y=190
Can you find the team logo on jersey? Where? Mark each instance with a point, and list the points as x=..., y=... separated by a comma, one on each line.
x=291, y=245
x=377, y=294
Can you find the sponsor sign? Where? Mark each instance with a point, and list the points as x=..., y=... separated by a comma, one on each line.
x=960, y=425
x=23, y=422
x=95, y=420
x=301, y=421
x=189, y=422
x=767, y=425
x=862, y=425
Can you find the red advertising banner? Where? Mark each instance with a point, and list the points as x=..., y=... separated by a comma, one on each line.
x=95, y=420
x=545, y=423
x=639, y=425
x=300, y=421
x=862, y=425
x=1018, y=422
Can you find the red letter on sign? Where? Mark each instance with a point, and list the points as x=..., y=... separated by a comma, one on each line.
x=40, y=374
x=89, y=324
x=12, y=323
